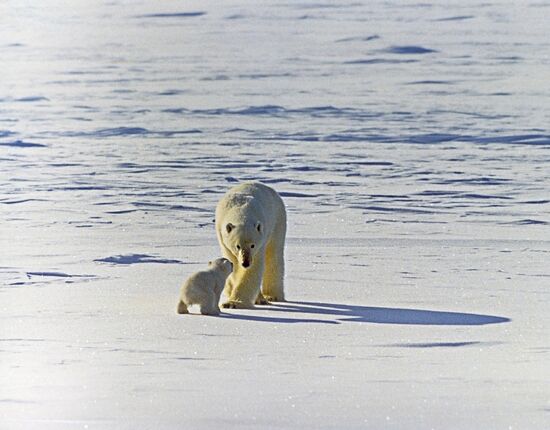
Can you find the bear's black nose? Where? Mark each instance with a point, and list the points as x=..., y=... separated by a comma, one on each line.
x=246, y=264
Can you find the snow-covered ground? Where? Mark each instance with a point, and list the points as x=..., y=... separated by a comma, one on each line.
x=410, y=144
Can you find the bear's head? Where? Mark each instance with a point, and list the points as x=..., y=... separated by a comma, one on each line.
x=244, y=241
x=222, y=264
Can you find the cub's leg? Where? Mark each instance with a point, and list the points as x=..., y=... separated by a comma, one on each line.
x=182, y=308
x=210, y=306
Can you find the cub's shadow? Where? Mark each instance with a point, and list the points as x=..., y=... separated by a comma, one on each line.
x=365, y=314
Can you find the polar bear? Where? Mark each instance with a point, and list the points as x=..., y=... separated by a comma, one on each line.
x=251, y=229
x=205, y=288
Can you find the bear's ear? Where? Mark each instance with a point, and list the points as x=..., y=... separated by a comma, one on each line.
x=229, y=227
x=259, y=227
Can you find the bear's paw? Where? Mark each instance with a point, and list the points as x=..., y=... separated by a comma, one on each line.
x=261, y=300
x=274, y=298
x=234, y=304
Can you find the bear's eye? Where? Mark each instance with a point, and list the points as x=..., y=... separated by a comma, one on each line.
x=239, y=247
x=252, y=246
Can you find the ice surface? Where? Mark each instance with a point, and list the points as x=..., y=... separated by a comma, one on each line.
x=410, y=143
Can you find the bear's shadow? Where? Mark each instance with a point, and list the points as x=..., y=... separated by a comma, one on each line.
x=365, y=314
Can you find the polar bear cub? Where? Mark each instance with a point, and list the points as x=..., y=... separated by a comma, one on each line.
x=204, y=288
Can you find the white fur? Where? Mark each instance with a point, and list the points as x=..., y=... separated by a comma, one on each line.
x=204, y=288
x=251, y=229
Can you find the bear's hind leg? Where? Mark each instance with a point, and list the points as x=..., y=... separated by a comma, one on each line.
x=273, y=280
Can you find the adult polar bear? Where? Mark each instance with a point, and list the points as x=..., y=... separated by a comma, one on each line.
x=251, y=229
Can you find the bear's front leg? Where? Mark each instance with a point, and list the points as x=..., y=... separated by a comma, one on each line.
x=229, y=285
x=245, y=285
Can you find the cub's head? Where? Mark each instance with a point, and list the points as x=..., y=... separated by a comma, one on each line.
x=222, y=264
x=244, y=241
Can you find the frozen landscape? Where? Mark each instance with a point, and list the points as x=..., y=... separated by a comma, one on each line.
x=410, y=143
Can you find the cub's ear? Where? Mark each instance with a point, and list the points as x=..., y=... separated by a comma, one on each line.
x=229, y=227
x=259, y=227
